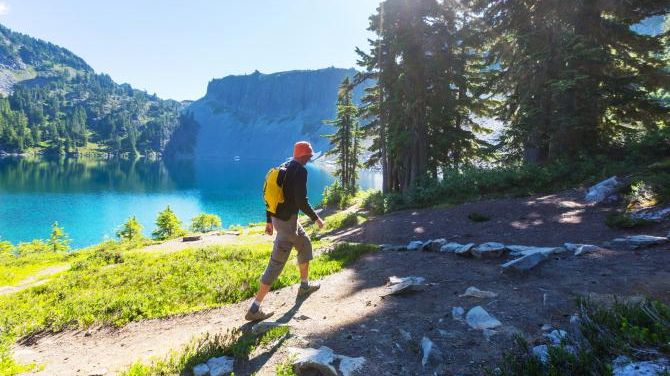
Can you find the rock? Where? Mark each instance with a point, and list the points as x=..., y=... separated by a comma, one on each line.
x=264, y=326
x=478, y=318
x=465, y=250
x=651, y=214
x=392, y=248
x=582, y=249
x=639, y=241
x=324, y=361
x=415, y=245
x=525, y=263
x=405, y=285
x=450, y=247
x=556, y=336
x=221, y=366
x=546, y=327
x=434, y=245
x=98, y=372
x=542, y=353
x=524, y=250
x=490, y=249
x=477, y=293
x=431, y=356
x=604, y=191
x=201, y=370
x=457, y=313
x=624, y=367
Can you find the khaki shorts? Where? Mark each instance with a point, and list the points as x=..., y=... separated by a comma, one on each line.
x=289, y=234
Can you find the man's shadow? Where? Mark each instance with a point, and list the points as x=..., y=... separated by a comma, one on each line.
x=259, y=361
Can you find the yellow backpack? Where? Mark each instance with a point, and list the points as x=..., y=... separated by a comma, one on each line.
x=273, y=190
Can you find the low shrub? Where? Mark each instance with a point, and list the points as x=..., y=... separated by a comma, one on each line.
x=623, y=220
x=336, y=196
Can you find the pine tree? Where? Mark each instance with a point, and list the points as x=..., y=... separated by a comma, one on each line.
x=131, y=230
x=168, y=226
x=345, y=142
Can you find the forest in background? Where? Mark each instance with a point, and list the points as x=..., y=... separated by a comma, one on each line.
x=59, y=105
x=572, y=83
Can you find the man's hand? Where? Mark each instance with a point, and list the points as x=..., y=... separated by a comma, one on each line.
x=269, y=229
x=320, y=223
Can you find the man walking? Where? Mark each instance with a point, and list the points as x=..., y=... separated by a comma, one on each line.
x=289, y=232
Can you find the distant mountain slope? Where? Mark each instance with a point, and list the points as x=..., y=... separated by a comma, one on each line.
x=261, y=115
x=55, y=103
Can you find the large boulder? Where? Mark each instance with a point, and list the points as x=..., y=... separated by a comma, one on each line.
x=605, y=191
x=525, y=263
x=478, y=318
x=323, y=361
x=489, y=250
x=639, y=241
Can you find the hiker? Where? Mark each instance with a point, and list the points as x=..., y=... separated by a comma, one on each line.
x=284, y=219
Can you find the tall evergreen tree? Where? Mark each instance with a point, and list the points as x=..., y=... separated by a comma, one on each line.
x=345, y=142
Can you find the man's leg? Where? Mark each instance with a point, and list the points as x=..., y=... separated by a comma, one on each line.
x=305, y=255
x=280, y=253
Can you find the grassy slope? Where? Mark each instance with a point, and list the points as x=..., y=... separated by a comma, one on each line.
x=116, y=283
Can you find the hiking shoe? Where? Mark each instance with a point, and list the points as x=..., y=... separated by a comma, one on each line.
x=304, y=291
x=259, y=315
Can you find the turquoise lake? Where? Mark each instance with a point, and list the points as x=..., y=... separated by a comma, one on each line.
x=91, y=198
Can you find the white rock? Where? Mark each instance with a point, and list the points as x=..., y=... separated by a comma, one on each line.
x=465, y=250
x=450, y=247
x=221, y=366
x=434, y=245
x=430, y=354
x=478, y=318
x=546, y=327
x=651, y=214
x=490, y=249
x=581, y=249
x=324, y=360
x=603, y=191
x=648, y=368
x=556, y=336
x=415, y=245
x=457, y=313
x=542, y=353
x=477, y=293
x=524, y=250
x=525, y=263
x=639, y=241
x=201, y=370
x=405, y=284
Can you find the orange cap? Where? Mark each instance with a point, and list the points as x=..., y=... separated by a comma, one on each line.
x=302, y=149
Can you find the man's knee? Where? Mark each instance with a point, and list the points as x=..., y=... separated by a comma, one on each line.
x=305, y=253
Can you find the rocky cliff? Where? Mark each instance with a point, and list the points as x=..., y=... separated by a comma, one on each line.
x=260, y=116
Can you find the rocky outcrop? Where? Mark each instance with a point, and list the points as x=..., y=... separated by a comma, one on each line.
x=262, y=115
x=323, y=361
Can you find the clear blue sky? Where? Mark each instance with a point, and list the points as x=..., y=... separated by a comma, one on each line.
x=173, y=48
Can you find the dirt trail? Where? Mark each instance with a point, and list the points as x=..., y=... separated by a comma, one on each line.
x=34, y=280
x=349, y=315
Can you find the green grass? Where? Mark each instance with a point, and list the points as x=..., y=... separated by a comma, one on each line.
x=285, y=368
x=114, y=286
x=201, y=349
x=14, y=269
x=634, y=330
